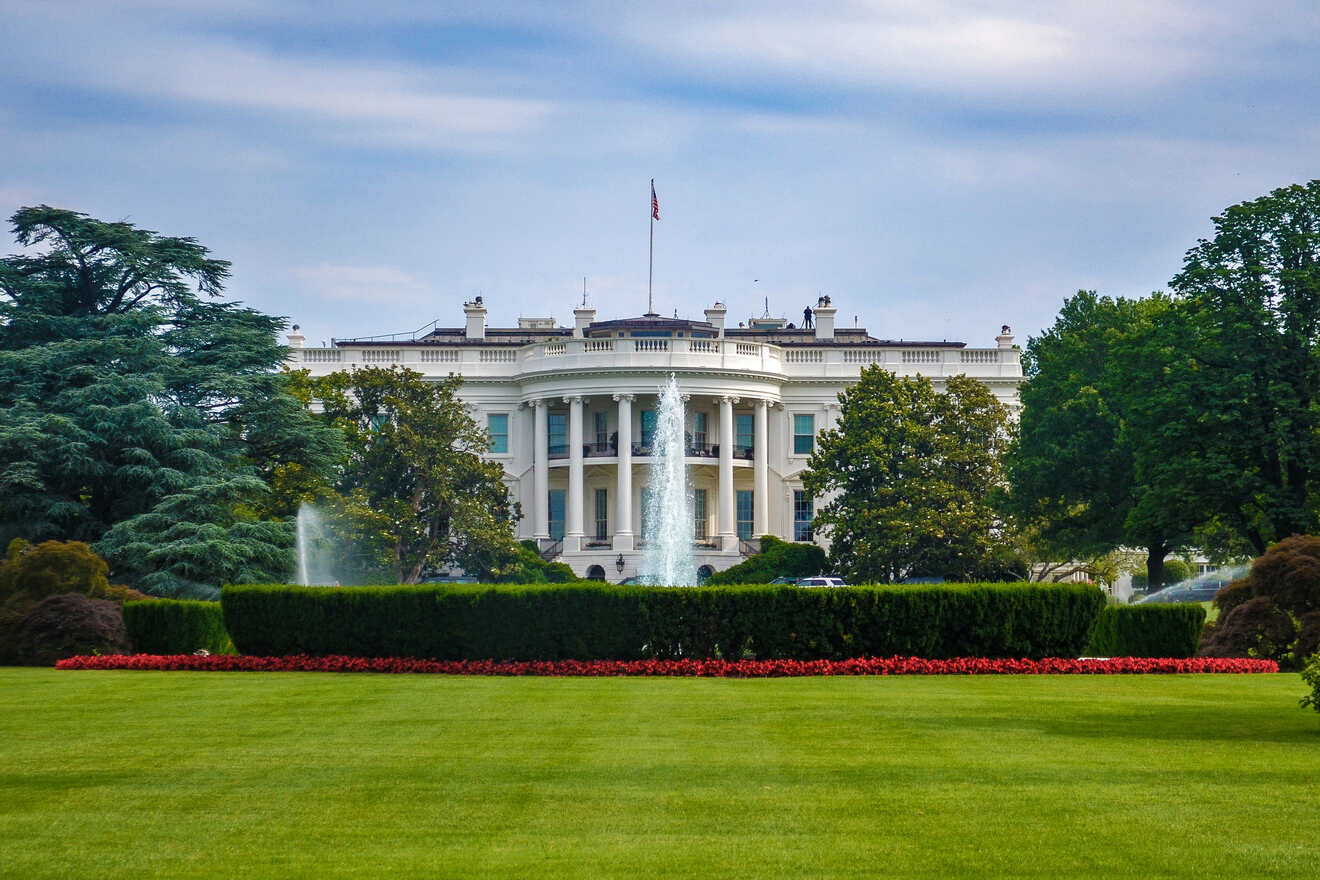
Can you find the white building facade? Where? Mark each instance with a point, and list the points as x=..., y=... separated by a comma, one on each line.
x=570, y=412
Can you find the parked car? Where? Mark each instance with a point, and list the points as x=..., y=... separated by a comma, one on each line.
x=822, y=581
x=783, y=580
x=639, y=581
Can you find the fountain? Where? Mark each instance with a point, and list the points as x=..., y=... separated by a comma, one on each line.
x=667, y=557
x=311, y=546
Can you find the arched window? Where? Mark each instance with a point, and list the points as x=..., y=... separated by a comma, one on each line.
x=704, y=572
x=595, y=573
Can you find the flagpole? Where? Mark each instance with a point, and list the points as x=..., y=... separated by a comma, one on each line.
x=650, y=270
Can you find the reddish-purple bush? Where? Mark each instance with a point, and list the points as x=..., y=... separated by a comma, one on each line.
x=66, y=626
x=1308, y=638
x=1256, y=628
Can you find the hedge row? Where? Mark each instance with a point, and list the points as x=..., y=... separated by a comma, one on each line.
x=176, y=626
x=604, y=621
x=1148, y=630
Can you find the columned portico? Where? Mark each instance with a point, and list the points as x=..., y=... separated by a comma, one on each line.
x=541, y=472
x=573, y=514
x=623, y=534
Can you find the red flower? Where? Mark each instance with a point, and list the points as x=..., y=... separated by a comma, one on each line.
x=682, y=668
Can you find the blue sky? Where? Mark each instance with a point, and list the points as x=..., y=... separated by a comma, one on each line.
x=939, y=168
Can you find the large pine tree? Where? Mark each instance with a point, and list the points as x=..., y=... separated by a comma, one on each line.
x=140, y=411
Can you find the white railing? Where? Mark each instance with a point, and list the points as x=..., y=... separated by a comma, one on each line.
x=979, y=357
x=804, y=356
x=598, y=345
x=555, y=348
x=381, y=356
x=704, y=346
x=921, y=356
x=866, y=356
x=440, y=356
x=652, y=344
x=747, y=349
x=498, y=355
x=321, y=355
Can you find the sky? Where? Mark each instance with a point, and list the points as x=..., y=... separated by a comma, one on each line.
x=938, y=167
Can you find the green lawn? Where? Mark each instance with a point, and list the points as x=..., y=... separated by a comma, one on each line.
x=236, y=775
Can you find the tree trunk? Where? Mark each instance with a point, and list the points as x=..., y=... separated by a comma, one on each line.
x=1155, y=554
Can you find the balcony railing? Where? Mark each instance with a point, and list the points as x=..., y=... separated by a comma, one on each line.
x=609, y=450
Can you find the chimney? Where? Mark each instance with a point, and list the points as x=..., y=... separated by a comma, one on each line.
x=1005, y=337
x=582, y=318
x=296, y=339
x=715, y=317
x=824, y=315
x=476, y=319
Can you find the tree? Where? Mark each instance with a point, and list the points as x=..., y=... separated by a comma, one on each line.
x=415, y=458
x=133, y=402
x=908, y=474
x=1084, y=471
x=1243, y=432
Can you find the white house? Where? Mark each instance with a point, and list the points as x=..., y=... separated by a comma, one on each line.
x=570, y=412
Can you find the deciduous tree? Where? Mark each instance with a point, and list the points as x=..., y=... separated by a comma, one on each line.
x=907, y=476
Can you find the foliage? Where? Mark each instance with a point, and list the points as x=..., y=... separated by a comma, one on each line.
x=1082, y=457
x=65, y=625
x=415, y=460
x=527, y=567
x=1274, y=611
x=169, y=626
x=776, y=559
x=133, y=401
x=51, y=568
x=604, y=621
x=1311, y=678
x=908, y=474
x=1148, y=630
x=1240, y=384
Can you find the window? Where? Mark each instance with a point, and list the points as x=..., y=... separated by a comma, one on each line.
x=699, y=432
x=648, y=426
x=802, y=512
x=744, y=503
x=497, y=425
x=602, y=430
x=602, y=514
x=557, y=514
x=804, y=434
x=558, y=428
x=699, y=513
x=743, y=433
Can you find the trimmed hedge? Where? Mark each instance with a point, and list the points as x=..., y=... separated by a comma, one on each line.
x=605, y=621
x=1148, y=630
x=176, y=626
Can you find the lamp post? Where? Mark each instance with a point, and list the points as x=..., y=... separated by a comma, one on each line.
x=618, y=564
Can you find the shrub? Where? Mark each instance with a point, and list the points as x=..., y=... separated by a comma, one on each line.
x=52, y=568
x=1256, y=628
x=65, y=626
x=1269, y=612
x=776, y=559
x=1311, y=677
x=176, y=626
x=1148, y=630
x=1175, y=570
x=602, y=621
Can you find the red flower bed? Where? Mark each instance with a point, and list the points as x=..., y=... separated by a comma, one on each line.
x=682, y=668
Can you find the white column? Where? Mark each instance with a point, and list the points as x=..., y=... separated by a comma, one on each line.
x=761, y=471
x=727, y=524
x=623, y=533
x=541, y=472
x=573, y=515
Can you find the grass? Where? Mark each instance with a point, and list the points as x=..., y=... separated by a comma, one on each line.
x=240, y=775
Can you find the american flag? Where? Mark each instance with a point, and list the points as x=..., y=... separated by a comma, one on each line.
x=655, y=203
